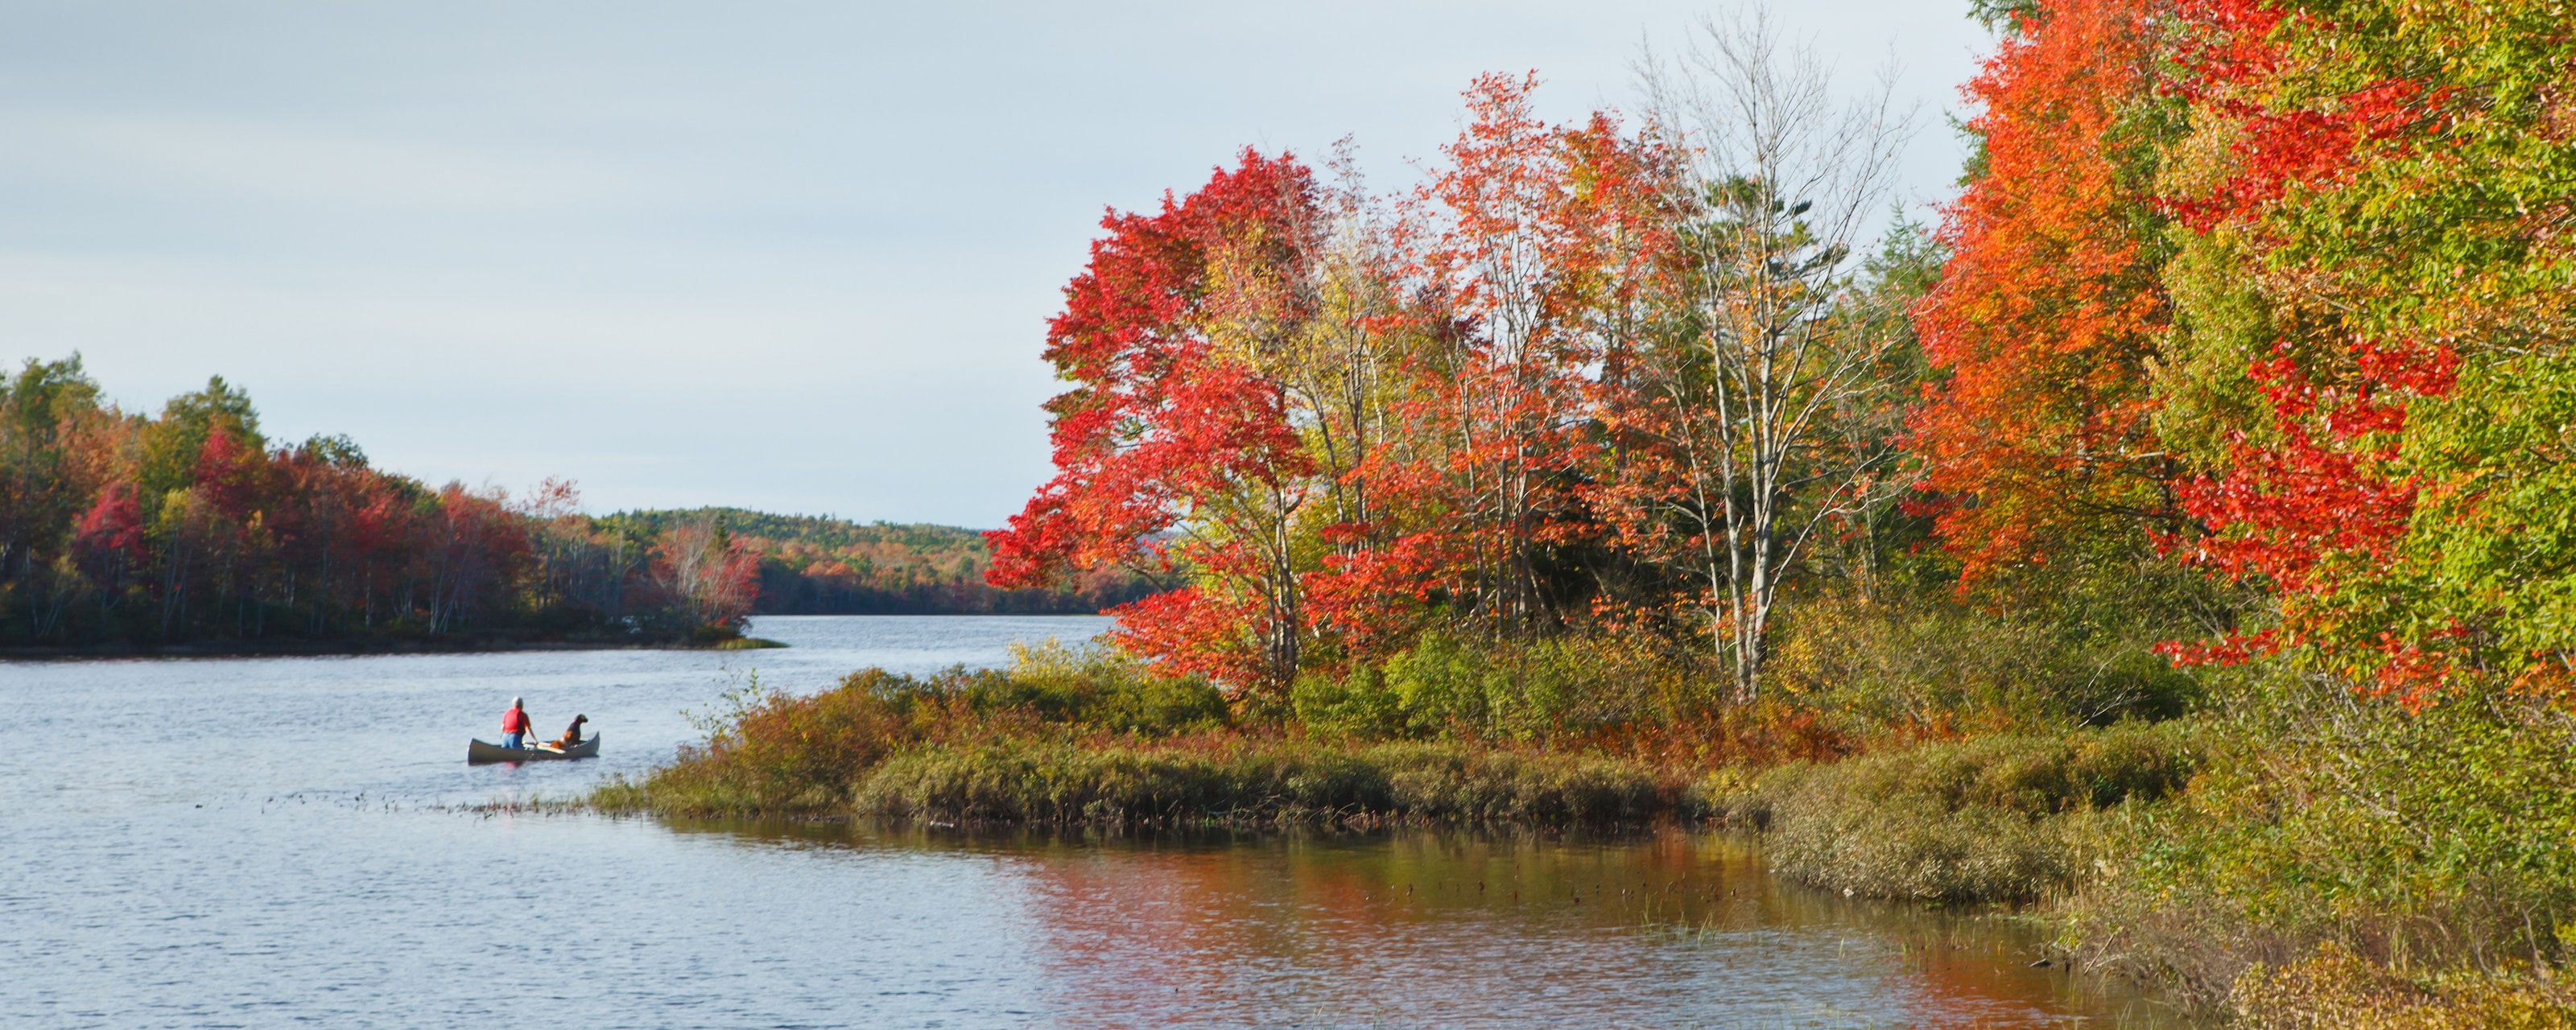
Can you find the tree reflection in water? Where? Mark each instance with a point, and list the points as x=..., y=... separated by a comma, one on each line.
x=1458, y=928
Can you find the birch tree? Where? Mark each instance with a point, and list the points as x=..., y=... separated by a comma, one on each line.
x=1778, y=185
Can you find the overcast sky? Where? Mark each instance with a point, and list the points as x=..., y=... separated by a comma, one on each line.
x=786, y=256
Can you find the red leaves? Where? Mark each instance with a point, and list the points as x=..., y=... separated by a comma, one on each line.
x=1190, y=632
x=2228, y=52
x=1372, y=596
x=2281, y=510
x=2422, y=371
x=1324, y=432
x=1170, y=420
x=2226, y=41
x=1541, y=234
x=1159, y=420
x=2317, y=504
x=113, y=526
x=230, y=475
x=708, y=575
x=2306, y=514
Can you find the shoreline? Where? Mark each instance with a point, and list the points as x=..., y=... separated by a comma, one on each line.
x=344, y=648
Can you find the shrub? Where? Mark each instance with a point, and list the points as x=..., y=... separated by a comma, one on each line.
x=1926, y=658
x=2443, y=839
x=1357, y=704
x=1549, y=689
x=1096, y=688
x=778, y=754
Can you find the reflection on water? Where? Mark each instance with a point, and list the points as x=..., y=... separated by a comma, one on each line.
x=271, y=842
x=1465, y=928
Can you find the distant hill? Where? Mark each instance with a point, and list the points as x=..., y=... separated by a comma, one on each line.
x=825, y=566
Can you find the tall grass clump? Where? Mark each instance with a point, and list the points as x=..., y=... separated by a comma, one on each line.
x=768, y=752
x=1260, y=782
x=2004, y=818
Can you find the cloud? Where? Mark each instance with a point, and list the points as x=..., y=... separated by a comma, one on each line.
x=796, y=255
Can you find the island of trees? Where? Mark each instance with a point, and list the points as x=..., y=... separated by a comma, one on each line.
x=191, y=530
x=2179, y=538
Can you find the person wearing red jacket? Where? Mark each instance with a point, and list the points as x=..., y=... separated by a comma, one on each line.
x=514, y=723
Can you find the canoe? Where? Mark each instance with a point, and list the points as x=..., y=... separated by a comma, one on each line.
x=480, y=753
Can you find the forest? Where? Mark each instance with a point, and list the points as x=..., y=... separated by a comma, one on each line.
x=192, y=530
x=2176, y=537
x=826, y=566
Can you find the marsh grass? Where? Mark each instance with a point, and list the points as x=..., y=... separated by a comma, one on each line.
x=2001, y=819
x=1260, y=782
x=534, y=804
x=2429, y=846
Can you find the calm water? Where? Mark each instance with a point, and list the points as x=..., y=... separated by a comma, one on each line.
x=273, y=842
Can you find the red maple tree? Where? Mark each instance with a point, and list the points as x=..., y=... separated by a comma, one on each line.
x=1173, y=452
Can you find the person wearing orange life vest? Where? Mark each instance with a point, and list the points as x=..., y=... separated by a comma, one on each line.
x=514, y=724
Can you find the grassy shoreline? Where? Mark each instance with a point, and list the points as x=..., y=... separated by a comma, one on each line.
x=2179, y=853
x=1204, y=781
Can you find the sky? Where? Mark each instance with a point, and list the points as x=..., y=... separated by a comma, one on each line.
x=786, y=256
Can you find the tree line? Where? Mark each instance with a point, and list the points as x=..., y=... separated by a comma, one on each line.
x=828, y=566
x=191, y=527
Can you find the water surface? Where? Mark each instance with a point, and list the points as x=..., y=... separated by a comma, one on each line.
x=277, y=842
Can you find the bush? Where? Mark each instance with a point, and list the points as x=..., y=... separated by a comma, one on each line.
x=1358, y=704
x=1927, y=658
x=1095, y=688
x=779, y=754
x=2444, y=839
x=1524, y=691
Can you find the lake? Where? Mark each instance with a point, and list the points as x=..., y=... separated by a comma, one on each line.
x=288, y=841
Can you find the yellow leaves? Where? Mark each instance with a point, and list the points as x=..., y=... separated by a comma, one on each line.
x=2204, y=158
x=2337, y=989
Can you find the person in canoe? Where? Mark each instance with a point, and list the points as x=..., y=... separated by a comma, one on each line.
x=571, y=735
x=514, y=724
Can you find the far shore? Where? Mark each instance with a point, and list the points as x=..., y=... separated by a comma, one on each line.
x=318, y=648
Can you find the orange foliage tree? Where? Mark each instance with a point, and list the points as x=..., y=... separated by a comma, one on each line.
x=2037, y=434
